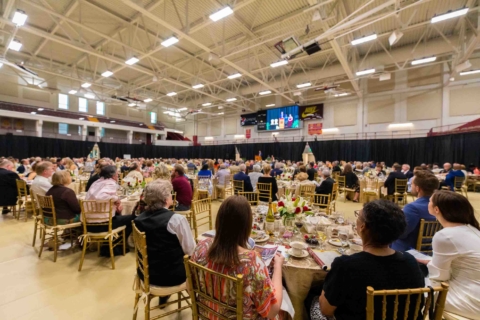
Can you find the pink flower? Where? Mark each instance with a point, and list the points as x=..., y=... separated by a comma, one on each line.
x=298, y=210
x=293, y=199
x=280, y=204
x=305, y=208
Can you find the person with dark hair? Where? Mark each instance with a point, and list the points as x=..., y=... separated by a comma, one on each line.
x=135, y=172
x=105, y=188
x=394, y=175
x=351, y=180
x=326, y=186
x=379, y=171
x=311, y=171
x=205, y=173
x=96, y=174
x=242, y=176
x=182, y=187
x=267, y=178
x=424, y=184
x=8, y=185
x=379, y=224
x=456, y=252
x=229, y=253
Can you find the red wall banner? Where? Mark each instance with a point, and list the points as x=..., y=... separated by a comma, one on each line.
x=315, y=128
x=248, y=133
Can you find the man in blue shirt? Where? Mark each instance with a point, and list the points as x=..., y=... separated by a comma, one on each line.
x=452, y=174
x=424, y=184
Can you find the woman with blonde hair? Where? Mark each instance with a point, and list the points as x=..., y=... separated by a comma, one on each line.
x=66, y=204
x=161, y=172
x=70, y=166
x=301, y=179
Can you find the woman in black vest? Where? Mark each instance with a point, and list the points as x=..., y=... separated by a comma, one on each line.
x=168, y=234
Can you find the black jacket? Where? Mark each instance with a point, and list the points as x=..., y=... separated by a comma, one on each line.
x=21, y=169
x=336, y=168
x=8, y=187
x=408, y=174
x=325, y=187
x=390, y=182
x=311, y=173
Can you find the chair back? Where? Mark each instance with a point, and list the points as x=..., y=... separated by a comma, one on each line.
x=401, y=186
x=335, y=175
x=335, y=192
x=371, y=184
x=410, y=299
x=458, y=183
x=191, y=171
x=425, y=235
x=35, y=208
x=306, y=190
x=315, y=176
x=47, y=209
x=341, y=181
x=96, y=213
x=322, y=201
x=203, y=182
x=201, y=214
x=174, y=200
x=237, y=186
x=265, y=190
x=22, y=189
x=252, y=197
x=141, y=256
x=211, y=292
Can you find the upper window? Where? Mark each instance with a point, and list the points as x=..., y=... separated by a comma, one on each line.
x=82, y=105
x=101, y=108
x=62, y=101
x=153, y=117
x=63, y=128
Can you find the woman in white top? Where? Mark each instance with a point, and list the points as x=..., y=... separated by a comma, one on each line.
x=456, y=253
x=135, y=172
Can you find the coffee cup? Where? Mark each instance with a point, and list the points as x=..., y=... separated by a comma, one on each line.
x=297, y=248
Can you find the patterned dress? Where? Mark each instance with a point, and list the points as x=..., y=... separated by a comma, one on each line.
x=258, y=293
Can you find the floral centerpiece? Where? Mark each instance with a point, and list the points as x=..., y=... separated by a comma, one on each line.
x=286, y=176
x=293, y=207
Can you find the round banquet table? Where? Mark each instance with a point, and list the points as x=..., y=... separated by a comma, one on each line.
x=283, y=186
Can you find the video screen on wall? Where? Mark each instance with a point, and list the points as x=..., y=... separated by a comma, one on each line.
x=284, y=118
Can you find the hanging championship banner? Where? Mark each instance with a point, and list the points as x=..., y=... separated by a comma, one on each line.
x=311, y=112
x=248, y=133
x=18, y=124
x=6, y=123
x=315, y=128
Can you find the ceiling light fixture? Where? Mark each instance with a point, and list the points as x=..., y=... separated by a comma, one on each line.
x=234, y=76
x=449, y=15
x=171, y=94
x=304, y=85
x=270, y=105
x=328, y=130
x=81, y=118
x=400, y=125
x=1, y=64
x=198, y=86
x=113, y=121
x=132, y=104
x=15, y=45
x=89, y=96
x=231, y=99
x=182, y=109
x=132, y=61
x=206, y=104
x=220, y=113
x=364, y=72
x=264, y=92
x=72, y=91
x=141, y=124
x=343, y=94
x=33, y=112
x=40, y=109
x=19, y=18
x=364, y=39
x=469, y=72
x=279, y=63
x=86, y=85
x=168, y=42
x=107, y=74
x=423, y=60
x=148, y=100
x=221, y=14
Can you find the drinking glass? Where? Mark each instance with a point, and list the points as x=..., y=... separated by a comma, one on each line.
x=321, y=230
x=299, y=223
x=343, y=236
x=276, y=233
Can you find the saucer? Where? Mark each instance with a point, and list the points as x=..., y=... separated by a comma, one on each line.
x=303, y=255
x=264, y=239
x=337, y=243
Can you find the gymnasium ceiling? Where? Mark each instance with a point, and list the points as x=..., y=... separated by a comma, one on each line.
x=69, y=42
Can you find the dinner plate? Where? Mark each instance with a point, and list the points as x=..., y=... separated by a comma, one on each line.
x=303, y=255
x=264, y=239
x=337, y=243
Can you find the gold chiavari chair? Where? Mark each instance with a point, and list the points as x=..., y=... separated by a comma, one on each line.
x=202, y=281
x=145, y=289
x=47, y=210
x=371, y=189
x=252, y=197
x=238, y=186
x=187, y=213
x=83, y=185
x=322, y=201
x=335, y=175
x=22, y=199
x=306, y=190
x=425, y=235
x=460, y=187
x=400, y=194
x=315, y=176
x=334, y=198
x=390, y=300
x=342, y=188
x=94, y=213
x=121, y=175
x=265, y=191
x=36, y=216
x=203, y=185
x=226, y=188
x=202, y=214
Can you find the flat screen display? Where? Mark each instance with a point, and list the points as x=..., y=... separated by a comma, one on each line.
x=248, y=119
x=284, y=118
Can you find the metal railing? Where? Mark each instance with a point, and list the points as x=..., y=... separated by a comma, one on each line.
x=455, y=128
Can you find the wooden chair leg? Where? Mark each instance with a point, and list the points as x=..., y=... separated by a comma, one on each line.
x=55, y=245
x=147, y=309
x=112, y=256
x=137, y=298
x=85, y=243
x=179, y=301
x=124, y=243
x=42, y=241
x=35, y=227
x=99, y=245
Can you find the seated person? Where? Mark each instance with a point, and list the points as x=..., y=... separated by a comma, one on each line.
x=456, y=253
x=409, y=183
x=182, y=187
x=242, y=176
x=96, y=173
x=168, y=234
x=135, y=172
x=41, y=184
x=66, y=203
x=447, y=167
x=451, y=175
x=278, y=170
x=311, y=171
x=380, y=172
x=8, y=185
x=105, y=188
x=254, y=176
x=161, y=172
x=267, y=178
x=394, y=175
x=228, y=253
x=302, y=179
x=205, y=173
x=379, y=224
x=326, y=186
x=31, y=173
x=424, y=184
x=351, y=180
